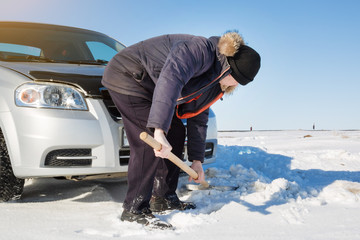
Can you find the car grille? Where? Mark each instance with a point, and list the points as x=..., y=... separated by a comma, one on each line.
x=69, y=158
x=110, y=106
x=124, y=156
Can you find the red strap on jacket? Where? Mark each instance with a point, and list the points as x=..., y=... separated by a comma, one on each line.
x=193, y=114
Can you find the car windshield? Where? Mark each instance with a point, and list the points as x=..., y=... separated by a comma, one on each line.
x=58, y=44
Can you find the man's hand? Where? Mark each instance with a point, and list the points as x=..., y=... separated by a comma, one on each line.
x=197, y=166
x=166, y=148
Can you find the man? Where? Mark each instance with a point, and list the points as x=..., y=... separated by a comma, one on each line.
x=156, y=83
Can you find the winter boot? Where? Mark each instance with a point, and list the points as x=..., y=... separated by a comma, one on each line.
x=145, y=218
x=170, y=202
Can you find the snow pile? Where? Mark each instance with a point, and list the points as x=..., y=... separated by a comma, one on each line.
x=292, y=185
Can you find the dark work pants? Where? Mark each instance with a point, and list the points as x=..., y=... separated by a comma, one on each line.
x=147, y=174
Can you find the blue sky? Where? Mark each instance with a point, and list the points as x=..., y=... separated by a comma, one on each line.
x=309, y=48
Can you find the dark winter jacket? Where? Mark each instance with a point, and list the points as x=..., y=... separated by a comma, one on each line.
x=173, y=71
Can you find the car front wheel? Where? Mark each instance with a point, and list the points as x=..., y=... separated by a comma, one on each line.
x=11, y=187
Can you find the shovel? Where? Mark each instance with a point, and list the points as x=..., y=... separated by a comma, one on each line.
x=182, y=165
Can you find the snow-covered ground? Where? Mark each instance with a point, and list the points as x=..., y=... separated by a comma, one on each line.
x=292, y=185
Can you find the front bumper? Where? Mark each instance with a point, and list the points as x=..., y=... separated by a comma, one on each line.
x=50, y=143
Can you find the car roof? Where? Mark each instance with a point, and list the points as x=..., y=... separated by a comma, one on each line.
x=8, y=24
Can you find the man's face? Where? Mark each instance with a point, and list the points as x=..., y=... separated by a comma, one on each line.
x=228, y=84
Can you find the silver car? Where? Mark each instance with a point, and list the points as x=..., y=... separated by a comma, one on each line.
x=56, y=119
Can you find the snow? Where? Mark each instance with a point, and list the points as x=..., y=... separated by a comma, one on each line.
x=292, y=185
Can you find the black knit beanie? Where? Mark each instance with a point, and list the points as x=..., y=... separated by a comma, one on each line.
x=244, y=65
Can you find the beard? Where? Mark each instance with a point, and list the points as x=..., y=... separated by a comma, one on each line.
x=227, y=89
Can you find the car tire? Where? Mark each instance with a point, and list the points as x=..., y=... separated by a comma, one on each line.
x=11, y=187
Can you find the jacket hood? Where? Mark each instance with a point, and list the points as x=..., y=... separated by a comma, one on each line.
x=226, y=46
x=229, y=43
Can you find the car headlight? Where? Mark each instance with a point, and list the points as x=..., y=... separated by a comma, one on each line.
x=40, y=95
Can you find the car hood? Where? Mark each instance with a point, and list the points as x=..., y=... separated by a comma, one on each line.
x=88, y=77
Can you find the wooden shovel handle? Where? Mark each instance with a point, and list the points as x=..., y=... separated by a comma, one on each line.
x=172, y=157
